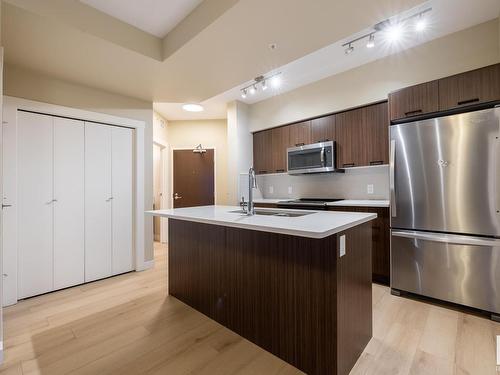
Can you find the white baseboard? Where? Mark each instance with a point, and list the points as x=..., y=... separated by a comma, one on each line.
x=146, y=265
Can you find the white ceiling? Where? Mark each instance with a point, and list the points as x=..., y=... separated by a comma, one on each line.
x=156, y=17
x=447, y=16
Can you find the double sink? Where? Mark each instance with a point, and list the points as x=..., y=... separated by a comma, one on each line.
x=280, y=213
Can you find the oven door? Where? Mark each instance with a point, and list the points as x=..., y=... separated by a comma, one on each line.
x=314, y=158
x=449, y=267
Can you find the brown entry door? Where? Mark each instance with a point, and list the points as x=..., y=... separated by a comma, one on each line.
x=193, y=178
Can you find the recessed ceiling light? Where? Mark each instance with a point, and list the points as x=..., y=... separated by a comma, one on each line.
x=190, y=107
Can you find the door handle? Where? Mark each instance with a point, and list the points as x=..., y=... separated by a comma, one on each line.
x=177, y=196
x=109, y=199
x=447, y=238
x=392, y=186
x=52, y=201
x=6, y=206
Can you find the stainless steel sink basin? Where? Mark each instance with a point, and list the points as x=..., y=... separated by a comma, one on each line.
x=275, y=213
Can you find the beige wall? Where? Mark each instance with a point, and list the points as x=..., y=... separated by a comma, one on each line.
x=455, y=53
x=210, y=133
x=30, y=85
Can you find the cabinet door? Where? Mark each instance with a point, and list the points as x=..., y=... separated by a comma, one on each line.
x=349, y=133
x=414, y=100
x=35, y=203
x=262, y=152
x=98, y=200
x=380, y=240
x=69, y=217
x=300, y=134
x=323, y=129
x=122, y=167
x=375, y=137
x=477, y=86
x=279, y=145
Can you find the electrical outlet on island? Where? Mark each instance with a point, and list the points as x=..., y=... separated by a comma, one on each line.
x=369, y=188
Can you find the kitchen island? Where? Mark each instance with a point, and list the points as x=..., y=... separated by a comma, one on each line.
x=296, y=283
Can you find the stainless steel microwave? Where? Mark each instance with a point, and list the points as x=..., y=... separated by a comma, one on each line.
x=314, y=158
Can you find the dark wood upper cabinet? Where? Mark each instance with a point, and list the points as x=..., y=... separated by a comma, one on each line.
x=262, y=156
x=323, y=129
x=415, y=100
x=477, y=86
x=300, y=133
x=349, y=139
x=280, y=138
x=375, y=137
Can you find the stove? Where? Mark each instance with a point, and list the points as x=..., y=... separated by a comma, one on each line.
x=308, y=203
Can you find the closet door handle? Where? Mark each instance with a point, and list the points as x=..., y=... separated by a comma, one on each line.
x=109, y=199
x=52, y=201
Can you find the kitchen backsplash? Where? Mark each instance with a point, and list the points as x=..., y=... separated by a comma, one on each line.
x=357, y=183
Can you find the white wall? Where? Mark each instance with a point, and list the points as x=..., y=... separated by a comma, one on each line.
x=465, y=50
x=240, y=148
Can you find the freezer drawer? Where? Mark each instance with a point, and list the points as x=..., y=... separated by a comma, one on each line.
x=459, y=269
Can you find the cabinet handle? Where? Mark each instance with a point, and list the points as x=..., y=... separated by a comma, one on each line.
x=376, y=162
x=299, y=144
x=409, y=113
x=468, y=101
x=347, y=165
x=280, y=170
x=262, y=172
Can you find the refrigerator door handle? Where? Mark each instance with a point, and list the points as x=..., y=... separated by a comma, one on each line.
x=448, y=238
x=392, y=187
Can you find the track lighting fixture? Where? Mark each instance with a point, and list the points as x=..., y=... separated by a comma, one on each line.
x=261, y=82
x=371, y=41
x=392, y=30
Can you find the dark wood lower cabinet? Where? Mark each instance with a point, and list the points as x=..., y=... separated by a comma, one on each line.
x=293, y=296
x=381, y=237
x=381, y=254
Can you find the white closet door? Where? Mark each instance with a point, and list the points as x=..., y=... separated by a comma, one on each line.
x=35, y=203
x=69, y=219
x=122, y=199
x=98, y=258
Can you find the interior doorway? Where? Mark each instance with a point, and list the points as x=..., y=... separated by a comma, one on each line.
x=193, y=177
x=158, y=190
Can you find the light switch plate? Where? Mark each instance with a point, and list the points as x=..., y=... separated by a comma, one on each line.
x=342, y=245
x=369, y=188
x=271, y=189
x=290, y=190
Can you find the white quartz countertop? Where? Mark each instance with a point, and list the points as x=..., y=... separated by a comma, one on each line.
x=317, y=224
x=345, y=202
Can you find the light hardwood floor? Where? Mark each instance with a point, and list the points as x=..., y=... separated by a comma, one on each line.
x=127, y=325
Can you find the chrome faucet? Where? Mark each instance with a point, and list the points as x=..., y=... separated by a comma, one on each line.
x=252, y=184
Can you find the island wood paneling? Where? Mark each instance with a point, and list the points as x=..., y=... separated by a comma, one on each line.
x=292, y=296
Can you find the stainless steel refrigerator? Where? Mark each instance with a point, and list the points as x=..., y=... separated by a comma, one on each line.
x=445, y=208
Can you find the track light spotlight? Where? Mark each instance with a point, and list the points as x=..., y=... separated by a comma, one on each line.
x=349, y=49
x=371, y=41
x=244, y=93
